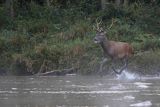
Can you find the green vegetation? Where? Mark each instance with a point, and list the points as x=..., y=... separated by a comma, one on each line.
x=45, y=38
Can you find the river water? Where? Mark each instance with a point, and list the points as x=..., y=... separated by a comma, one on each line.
x=79, y=91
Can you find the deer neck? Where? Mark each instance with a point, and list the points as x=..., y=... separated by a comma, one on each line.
x=105, y=46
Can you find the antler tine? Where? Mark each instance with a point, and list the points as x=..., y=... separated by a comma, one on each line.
x=94, y=27
x=98, y=23
x=113, y=21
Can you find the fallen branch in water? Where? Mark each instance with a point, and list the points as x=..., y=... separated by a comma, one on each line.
x=58, y=72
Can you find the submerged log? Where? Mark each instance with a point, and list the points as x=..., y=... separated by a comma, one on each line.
x=58, y=72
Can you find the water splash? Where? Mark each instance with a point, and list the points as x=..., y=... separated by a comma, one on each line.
x=127, y=75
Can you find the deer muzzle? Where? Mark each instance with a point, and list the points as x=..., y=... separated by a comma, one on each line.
x=96, y=41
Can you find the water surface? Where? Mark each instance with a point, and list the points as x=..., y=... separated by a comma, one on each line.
x=79, y=91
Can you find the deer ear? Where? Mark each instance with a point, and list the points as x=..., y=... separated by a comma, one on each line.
x=101, y=30
x=97, y=30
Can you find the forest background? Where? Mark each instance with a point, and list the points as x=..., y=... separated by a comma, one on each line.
x=45, y=35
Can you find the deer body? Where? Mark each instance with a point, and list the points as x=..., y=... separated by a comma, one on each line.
x=115, y=50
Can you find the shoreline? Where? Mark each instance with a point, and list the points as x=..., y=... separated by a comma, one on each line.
x=145, y=63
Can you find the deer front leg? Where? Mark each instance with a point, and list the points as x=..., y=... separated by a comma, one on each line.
x=104, y=60
x=124, y=66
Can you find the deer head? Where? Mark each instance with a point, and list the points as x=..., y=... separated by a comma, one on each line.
x=100, y=33
x=100, y=37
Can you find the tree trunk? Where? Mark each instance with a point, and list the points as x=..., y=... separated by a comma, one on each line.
x=117, y=2
x=125, y=3
x=10, y=8
x=103, y=4
x=48, y=3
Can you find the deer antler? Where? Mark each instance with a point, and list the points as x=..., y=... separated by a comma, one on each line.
x=113, y=21
x=97, y=26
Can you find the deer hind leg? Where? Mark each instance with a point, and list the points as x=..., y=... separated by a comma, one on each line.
x=123, y=67
x=104, y=60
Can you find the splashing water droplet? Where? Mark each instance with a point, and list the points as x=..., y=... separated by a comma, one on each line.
x=127, y=75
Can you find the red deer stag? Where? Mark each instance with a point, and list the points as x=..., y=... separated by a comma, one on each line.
x=114, y=50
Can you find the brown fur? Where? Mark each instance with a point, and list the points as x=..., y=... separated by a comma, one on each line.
x=119, y=49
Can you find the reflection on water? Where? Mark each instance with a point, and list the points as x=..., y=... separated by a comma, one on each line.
x=142, y=104
x=79, y=91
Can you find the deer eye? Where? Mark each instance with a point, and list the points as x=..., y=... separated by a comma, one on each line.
x=95, y=39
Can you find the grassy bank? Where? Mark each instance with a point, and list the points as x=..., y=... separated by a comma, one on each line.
x=146, y=63
x=49, y=38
